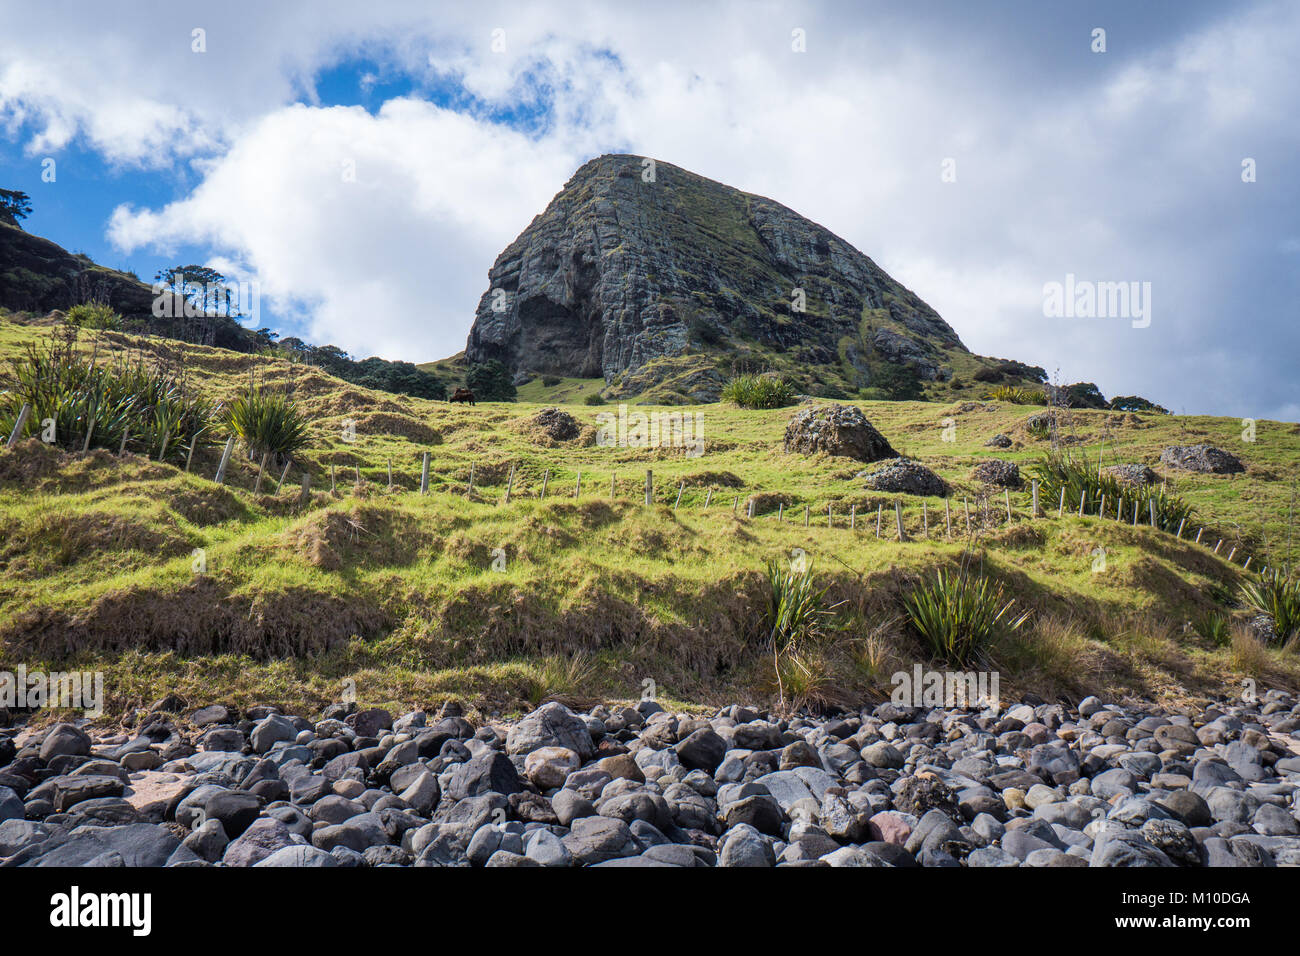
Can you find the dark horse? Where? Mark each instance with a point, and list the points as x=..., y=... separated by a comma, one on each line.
x=462, y=395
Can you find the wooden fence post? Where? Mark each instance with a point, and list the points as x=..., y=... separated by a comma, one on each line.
x=21, y=421
x=966, y=504
x=1083, y=502
x=682, y=487
x=750, y=508
x=577, y=488
x=121, y=448
x=613, y=485
x=830, y=519
x=1101, y=508
x=510, y=483
x=1217, y=545
x=357, y=469
x=805, y=516
x=947, y=518
x=1181, y=522
x=1007, y=494
x=189, y=456
x=1034, y=486
x=305, y=494
x=257, y=485
x=283, y=474
x=1151, y=507
x=1246, y=566
x=708, y=496
x=879, y=511
x=470, y=490
x=853, y=517
x=390, y=474
x=925, y=520
x=225, y=459
x=898, y=515
x=649, y=486
x=90, y=428
x=1198, y=535
x=424, y=474
x=1061, y=508
x=546, y=476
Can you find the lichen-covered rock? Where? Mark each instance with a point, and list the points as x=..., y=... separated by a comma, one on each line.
x=905, y=476
x=995, y=471
x=1133, y=475
x=998, y=441
x=633, y=263
x=1204, y=458
x=836, y=430
x=558, y=425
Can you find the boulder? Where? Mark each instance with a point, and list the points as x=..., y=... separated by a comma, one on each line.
x=840, y=430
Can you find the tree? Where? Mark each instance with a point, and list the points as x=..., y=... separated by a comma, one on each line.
x=899, y=383
x=14, y=205
x=204, y=287
x=490, y=382
x=1136, y=403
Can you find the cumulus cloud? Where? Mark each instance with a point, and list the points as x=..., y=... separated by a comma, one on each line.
x=1115, y=167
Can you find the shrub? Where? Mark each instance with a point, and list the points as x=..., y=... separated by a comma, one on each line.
x=550, y=381
x=152, y=404
x=899, y=382
x=1214, y=628
x=267, y=423
x=595, y=398
x=1017, y=396
x=1082, y=482
x=758, y=391
x=796, y=615
x=94, y=316
x=959, y=615
x=490, y=382
x=1277, y=596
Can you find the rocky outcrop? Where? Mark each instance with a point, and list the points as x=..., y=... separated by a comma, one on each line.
x=1004, y=474
x=630, y=264
x=904, y=476
x=836, y=430
x=1203, y=458
x=558, y=425
x=1134, y=475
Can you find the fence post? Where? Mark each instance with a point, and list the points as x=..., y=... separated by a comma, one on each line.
x=1181, y=522
x=805, y=516
x=1101, y=508
x=163, y=451
x=966, y=504
x=613, y=485
x=925, y=520
x=1199, y=532
x=121, y=449
x=546, y=476
x=898, y=515
x=682, y=487
x=1083, y=502
x=577, y=488
x=90, y=428
x=424, y=474
x=1061, y=508
x=390, y=474
x=649, y=486
x=283, y=474
x=333, y=480
x=1246, y=566
x=305, y=494
x=23, y=413
x=750, y=509
x=357, y=469
x=853, y=517
x=510, y=483
x=257, y=485
x=947, y=518
x=470, y=490
x=1232, y=553
x=780, y=512
x=879, y=511
x=1007, y=494
x=1151, y=507
x=707, y=498
x=225, y=459
x=1217, y=544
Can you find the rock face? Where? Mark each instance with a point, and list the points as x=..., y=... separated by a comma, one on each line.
x=1205, y=458
x=836, y=430
x=904, y=476
x=631, y=264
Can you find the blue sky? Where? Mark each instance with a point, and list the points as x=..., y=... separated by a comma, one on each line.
x=462, y=123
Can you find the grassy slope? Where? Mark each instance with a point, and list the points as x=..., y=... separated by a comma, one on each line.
x=397, y=592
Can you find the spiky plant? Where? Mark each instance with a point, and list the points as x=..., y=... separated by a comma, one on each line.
x=267, y=422
x=1082, y=482
x=758, y=391
x=1278, y=596
x=796, y=614
x=959, y=614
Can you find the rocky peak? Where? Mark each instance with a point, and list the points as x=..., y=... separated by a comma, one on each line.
x=632, y=263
